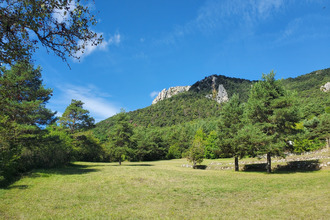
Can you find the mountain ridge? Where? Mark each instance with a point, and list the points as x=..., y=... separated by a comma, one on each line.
x=193, y=105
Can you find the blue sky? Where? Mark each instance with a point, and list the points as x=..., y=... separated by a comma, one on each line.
x=154, y=44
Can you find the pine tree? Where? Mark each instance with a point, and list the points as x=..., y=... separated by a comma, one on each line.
x=76, y=118
x=230, y=124
x=22, y=112
x=272, y=110
x=121, y=137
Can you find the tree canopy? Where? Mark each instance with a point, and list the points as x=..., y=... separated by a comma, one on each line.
x=61, y=26
x=272, y=109
x=76, y=118
x=22, y=112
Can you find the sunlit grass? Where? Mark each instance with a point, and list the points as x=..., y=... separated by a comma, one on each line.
x=165, y=190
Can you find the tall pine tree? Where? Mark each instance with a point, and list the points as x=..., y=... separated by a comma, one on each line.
x=230, y=124
x=272, y=109
x=22, y=112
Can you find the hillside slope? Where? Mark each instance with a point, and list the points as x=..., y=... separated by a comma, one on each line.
x=193, y=105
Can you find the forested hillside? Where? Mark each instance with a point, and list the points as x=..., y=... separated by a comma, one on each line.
x=193, y=105
x=186, y=106
x=169, y=128
x=312, y=101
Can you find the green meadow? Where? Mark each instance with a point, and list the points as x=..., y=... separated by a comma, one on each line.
x=165, y=190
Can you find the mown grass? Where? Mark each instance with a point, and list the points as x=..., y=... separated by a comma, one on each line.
x=165, y=190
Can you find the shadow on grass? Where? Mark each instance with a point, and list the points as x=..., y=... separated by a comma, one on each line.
x=290, y=167
x=71, y=169
x=136, y=165
x=299, y=166
x=200, y=167
x=18, y=187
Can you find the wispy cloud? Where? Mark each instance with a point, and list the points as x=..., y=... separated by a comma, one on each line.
x=226, y=16
x=154, y=94
x=90, y=47
x=95, y=101
x=313, y=26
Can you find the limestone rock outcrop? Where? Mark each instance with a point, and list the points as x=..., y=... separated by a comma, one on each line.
x=221, y=95
x=325, y=87
x=168, y=93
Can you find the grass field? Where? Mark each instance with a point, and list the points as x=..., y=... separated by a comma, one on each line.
x=165, y=190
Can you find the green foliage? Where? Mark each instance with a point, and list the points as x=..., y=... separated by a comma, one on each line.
x=51, y=149
x=87, y=148
x=232, y=86
x=211, y=145
x=149, y=145
x=184, y=107
x=22, y=111
x=311, y=100
x=75, y=118
x=63, y=27
x=230, y=124
x=195, y=154
x=305, y=145
x=174, y=152
x=121, y=142
x=272, y=109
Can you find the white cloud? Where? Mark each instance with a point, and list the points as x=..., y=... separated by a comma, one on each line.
x=90, y=47
x=154, y=94
x=94, y=100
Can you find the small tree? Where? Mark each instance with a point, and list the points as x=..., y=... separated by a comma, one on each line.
x=75, y=118
x=195, y=154
x=121, y=137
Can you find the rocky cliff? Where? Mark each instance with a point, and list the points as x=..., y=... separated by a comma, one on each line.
x=168, y=93
x=220, y=96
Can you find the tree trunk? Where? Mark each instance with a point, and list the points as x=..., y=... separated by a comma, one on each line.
x=120, y=161
x=328, y=142
x=269, y=163
x=236, y=164
x=194, y=165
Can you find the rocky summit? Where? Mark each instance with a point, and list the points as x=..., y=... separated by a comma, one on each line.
x=168, y=93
